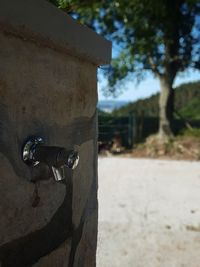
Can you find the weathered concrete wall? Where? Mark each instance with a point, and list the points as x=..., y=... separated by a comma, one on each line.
x=43, y=22
x=48, y=89
x=49, y=93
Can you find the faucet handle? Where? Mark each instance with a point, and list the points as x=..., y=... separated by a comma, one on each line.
x=57, y=158
x=59, y=174
x=72, y=159
x=69, y=159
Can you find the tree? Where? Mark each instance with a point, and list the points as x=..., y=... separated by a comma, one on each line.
x=161, y=36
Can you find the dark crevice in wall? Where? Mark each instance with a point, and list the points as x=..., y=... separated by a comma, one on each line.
x=90, y=207
x=25, y=251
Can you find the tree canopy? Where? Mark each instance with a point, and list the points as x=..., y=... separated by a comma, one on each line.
x=162, y=37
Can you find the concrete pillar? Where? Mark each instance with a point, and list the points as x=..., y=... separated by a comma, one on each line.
x=48, y=88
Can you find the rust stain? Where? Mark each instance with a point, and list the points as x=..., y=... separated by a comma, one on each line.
x=35, y=200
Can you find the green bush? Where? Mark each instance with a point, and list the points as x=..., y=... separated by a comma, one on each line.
x=194, y=132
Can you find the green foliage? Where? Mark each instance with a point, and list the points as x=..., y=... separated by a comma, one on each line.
x=63, y=4
x=191, y=110
x=187, y=103
x=194, y=132
x=160, y=36
x=103, y=113
x=148, y=106
x=187, y=100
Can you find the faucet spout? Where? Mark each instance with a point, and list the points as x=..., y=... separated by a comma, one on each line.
x=34, y=152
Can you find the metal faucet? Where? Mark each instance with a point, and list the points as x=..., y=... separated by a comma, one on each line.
x=57, y=158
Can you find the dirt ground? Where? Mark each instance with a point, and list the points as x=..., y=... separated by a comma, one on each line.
x=149, y=213
x=179, y=148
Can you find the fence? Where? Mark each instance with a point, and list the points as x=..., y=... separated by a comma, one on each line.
x=111, y=127
x=134, y=128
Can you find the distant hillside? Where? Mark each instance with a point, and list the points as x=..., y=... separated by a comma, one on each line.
x=110, y=105
x=187, y=103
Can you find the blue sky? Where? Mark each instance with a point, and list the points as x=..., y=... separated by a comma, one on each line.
x=148, y=87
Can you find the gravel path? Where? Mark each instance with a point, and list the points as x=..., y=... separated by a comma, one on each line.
x=149, y=213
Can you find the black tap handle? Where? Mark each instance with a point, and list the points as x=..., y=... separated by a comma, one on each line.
x=55, y=156
x=48, y=155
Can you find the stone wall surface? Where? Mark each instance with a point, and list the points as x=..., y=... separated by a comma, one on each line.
x=44, y=92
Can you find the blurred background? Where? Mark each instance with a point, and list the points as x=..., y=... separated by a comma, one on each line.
x=131, y=127
x=149, y=130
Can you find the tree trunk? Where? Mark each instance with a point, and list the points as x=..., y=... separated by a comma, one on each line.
x=166, y=108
